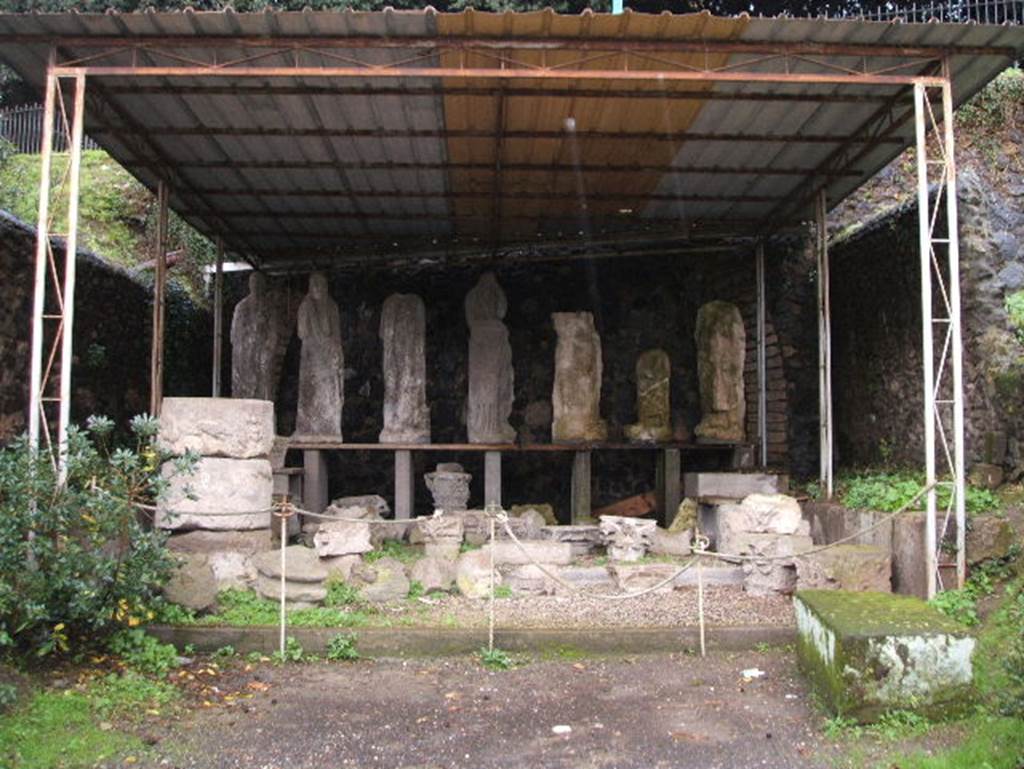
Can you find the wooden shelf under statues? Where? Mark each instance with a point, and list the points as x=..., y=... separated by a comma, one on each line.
x=668, y=467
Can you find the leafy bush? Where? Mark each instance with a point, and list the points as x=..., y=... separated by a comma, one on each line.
x=496, y=659
x=143, y=652
x=961, y=605
x=293, y=652
x=1015, y=311
x=76, y=560
x=888, y=492
x=342, y=648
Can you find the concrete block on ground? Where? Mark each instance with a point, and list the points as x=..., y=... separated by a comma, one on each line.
x=634, y=577
x=473, y=574
x=713, y=575
x=846, y=567
x=229, y=494
x=584, y=538
x=238, y=428
x=869, y=653
x=733, y=485
x=671, y=543
x=193, y=583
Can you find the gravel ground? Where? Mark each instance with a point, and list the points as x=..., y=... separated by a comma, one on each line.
x=648, y=712
x=678, y=608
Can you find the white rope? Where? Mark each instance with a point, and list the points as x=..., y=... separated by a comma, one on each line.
x=284, y=617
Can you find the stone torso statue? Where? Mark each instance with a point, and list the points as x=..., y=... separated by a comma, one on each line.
x=654, y=415
x=491, y=378
x=576, y=397
x=256, y=335
x=721, y=348
x=322, y=363
x=403, y=323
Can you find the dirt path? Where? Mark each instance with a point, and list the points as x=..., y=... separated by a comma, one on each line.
x=645, y=712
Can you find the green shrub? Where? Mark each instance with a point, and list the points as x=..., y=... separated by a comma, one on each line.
x=496, y=659
x=888, y=492
x=293, y=652
x=342, y=648
x=143, y=652
x=76, y=561
x=1015, y=311
x=340, y=593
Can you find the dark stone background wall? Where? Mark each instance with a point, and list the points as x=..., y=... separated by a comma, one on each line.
x=638, y=303
x=877, y=329
x=113, y=318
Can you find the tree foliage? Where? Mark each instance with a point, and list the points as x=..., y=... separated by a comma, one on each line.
x=77, y=561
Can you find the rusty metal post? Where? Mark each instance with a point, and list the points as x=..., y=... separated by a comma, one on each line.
x=218, y=319
x=156, y=388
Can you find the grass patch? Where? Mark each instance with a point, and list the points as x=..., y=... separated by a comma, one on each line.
x=993, y=742
x=400, y=551
x=242, y=608
x=57, y=730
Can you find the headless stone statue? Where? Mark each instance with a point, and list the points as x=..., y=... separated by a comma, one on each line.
x=321, y=366
x=721, y=348
x=654, y=416
x=257, y=333
x=576, y=398
x=490, y=364
x=403, y=323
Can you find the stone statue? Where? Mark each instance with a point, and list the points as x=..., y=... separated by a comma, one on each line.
x=721, y=349
x=490, y=364
x=654, y=416
x=257, y=342
x=322, y=364
x=403, y=323
x=576, y=399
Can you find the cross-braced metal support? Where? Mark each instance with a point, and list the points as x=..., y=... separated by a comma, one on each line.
x=54, y=295
x=940, y=324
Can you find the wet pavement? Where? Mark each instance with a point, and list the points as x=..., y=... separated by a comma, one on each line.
x=643, y=712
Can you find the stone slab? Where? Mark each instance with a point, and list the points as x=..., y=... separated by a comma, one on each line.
x=238, y=428
x=301, y=564
x=229, y=494
x=713, y=576
x=846, y=567
x=553, y=553
x=733, y=485
x=869, y=653
x=303, y=593
x=634, y=577
x=342, y=538
x=229, y=553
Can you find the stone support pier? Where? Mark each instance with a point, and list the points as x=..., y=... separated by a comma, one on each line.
x=405, y=485
x=581, y=507
x=492, y=477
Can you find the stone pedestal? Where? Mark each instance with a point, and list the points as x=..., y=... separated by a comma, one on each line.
x=492, y=478
x=405, y=485
x=576, y=398
x=217, y=427
x=581, y=486
x=229, y=494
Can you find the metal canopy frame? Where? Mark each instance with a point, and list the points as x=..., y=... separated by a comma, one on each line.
x=920, y=71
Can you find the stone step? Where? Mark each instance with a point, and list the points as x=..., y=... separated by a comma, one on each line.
x=733, y=485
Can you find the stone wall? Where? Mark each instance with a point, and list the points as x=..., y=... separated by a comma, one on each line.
x=638, y=303
x=877, y=329
x=111, y=344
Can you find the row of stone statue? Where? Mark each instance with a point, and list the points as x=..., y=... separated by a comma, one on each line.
x=261, y=330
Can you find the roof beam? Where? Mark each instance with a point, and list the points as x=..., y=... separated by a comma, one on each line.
x=494, y=194
x=270, y=89
x=313, y=43
x=371, y=133
x=546, y=168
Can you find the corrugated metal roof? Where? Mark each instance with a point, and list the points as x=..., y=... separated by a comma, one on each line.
x=288, y=166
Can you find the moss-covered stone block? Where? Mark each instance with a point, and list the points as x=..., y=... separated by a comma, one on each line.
x=868, y=653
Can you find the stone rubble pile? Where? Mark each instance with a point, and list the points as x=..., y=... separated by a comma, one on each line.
x=768, y=525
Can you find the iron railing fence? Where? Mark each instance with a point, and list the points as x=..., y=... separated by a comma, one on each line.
x=951, y=11
x=23, y=127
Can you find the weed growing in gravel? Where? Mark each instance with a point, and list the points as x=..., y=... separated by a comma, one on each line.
x=342, y=648
x=225, y=652
x=130, y=694
x=496, y=659
x=503, y=591
x=415, y=590
x=293, y=652
x=340, y=594
x=391, y=549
